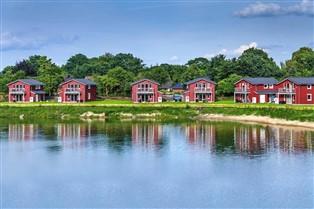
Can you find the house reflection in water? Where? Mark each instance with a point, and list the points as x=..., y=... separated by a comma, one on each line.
x=73, y=135
x=147, y=134
x=249, y=139
x=23, y=132
x=202, y=134
x=255, y=140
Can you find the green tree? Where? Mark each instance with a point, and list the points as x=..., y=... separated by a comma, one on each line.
x=256, y=63
x=74, y=65
x=301, y=63
x=226, y=86
x=158, y=73
x=126, y=61
x=50, y=74
x=124, y=78
x=108, y=84
x=192, y=72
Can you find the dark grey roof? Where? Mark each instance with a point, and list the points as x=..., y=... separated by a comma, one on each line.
x=80, y=80
x=301, y=80
x=29, y=81
x=177, y=86
x=266, y=91
x=38, y=92
x=260, y=80
x=198, y=79
x=144, y=79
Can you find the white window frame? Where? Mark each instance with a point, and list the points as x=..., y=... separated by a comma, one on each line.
x=88, y=96
x=271, y=86
x=265, y=86
x=309, y=97
x=309, y=86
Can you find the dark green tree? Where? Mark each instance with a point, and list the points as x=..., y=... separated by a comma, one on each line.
x=256, y=63
x=50, y=74
x=300, y=64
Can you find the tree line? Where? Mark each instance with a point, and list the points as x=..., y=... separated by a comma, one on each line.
x=114, y=73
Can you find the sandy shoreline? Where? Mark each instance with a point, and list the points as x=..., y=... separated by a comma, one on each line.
x=257, y=119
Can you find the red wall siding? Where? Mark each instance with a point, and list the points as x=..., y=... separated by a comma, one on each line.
x=83, y=89
x=191, y=94
x=28, y=90
x=301, y=93
x=252, y=88
x=144, y=82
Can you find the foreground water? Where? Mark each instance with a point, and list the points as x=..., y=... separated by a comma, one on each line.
x=151, y=164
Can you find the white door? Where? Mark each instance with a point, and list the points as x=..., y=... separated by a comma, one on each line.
x=59, y=99
x=187, y=99
x=159, y=99
x=262, y=98
x=253, y=99
x=288, y=99
x=36, y=97
x=31, y=99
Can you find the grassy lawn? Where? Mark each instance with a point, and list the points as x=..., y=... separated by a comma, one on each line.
x=221, y=103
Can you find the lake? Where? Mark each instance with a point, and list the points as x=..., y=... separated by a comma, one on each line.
x=151, y=164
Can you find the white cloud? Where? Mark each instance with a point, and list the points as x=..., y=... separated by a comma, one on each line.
x=12, y=41
x=233, y=52
x=270, y=9
x=242, y=48
x=174, y=58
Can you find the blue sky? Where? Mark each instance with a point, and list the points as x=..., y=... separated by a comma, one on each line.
x=155, y=31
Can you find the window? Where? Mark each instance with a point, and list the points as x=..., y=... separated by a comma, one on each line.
x=138, y=86
x=309, y=97
x=265, y=86
x=37, y=87
x=309, y=86
x=88, y=86
x=150, y=85
x=88, y=95
x=271, y=86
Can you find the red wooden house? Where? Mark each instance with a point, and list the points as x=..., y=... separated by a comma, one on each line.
x=256, y=90
x=200, y=89
x=77, y=90
x=146, y=90
x=26, y=90
x=296, y=90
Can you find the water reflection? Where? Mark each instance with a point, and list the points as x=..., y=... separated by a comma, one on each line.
x=218, y=137
x=23, y=132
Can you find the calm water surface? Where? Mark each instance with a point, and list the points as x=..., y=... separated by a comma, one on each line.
x=150, y=164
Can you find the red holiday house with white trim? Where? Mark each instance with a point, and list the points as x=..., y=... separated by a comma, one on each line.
x=296, y=90
x=77, y=90
x=256, y=90
x=26, y=90
x=146, y=90
x=200, y=89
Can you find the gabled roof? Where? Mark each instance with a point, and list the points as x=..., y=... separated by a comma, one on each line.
x=177, y=86
x=198, y=79
x=301, y=80
x=145, y=79
x=81, y=80
x=29, y=81
x=260, y=80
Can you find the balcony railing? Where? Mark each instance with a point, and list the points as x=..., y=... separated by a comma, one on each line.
x=242, y=90
x=203, y=89
x=286, y=90
x=71, y=90
x=17, y=90
x=145, y=90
